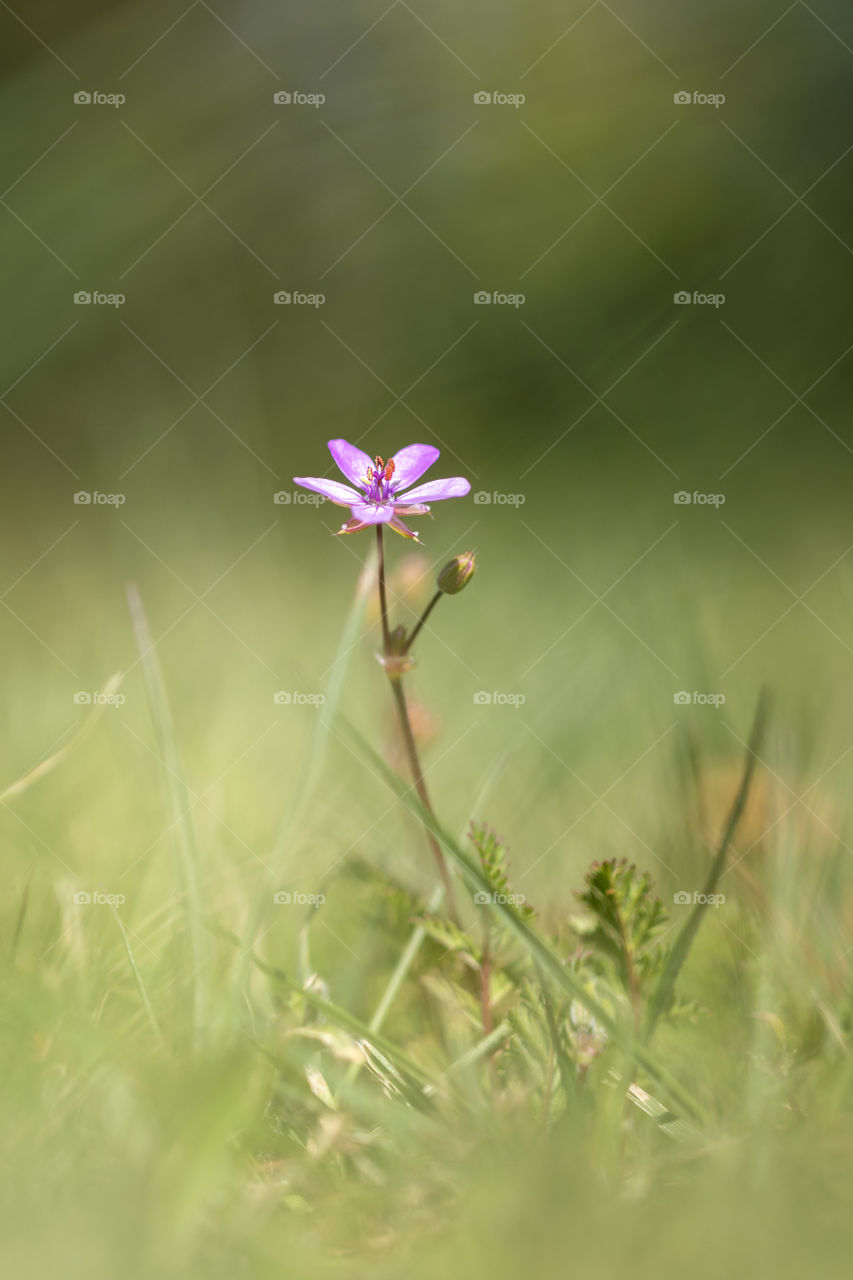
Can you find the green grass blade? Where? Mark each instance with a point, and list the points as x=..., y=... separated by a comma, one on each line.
x=688, y=933
x=312, y=765
x=44, y=767
x=137, y=976
x=181, y=806
x=418, y=935
x=306, y=781
x=339, y=1017
x=538, y=949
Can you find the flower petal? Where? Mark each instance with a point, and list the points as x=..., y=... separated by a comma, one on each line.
x=410, y=463
x=372, y=513
x=397, y=525
x=435, y=490
x=351, y=461
x=411, y=509
x=342, y=494
x=351, y=526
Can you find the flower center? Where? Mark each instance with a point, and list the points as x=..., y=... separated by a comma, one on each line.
x=377, y=482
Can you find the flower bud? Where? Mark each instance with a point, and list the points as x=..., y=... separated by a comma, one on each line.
x=457, y=573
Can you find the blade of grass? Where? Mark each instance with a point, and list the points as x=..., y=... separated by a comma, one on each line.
x=47, y=766
x=339, y=1017
x=140, y=985
x=22, y=911
x=416, y=940
x=539, y=950
x=181, y=805
x=482, y=1049
x=564, y=1066
x=687, y=936
x=306, y=781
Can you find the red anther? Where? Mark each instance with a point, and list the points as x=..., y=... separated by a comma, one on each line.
x=389, y=470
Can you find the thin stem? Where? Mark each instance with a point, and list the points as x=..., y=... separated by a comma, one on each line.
x=427, y=611
x=396, y=682
x=420, y=787
x=383, y=599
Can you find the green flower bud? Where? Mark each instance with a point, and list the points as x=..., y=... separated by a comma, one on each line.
x=457, y=574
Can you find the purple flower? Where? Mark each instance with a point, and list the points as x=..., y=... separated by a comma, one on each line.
x=377, y=498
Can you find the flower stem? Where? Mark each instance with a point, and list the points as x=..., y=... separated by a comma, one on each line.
x=420, y=787
x=396, y=683
x=427, y=611
x=383, y=599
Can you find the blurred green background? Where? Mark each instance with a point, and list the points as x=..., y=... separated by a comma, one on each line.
x=579, y=413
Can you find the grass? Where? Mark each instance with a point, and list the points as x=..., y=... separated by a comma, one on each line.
x=201, y=1082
